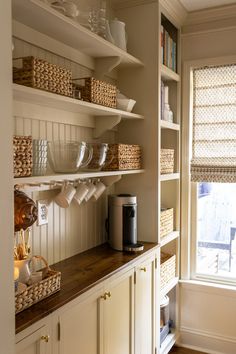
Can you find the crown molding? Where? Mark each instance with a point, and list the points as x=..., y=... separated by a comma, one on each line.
x=176, y=10
x=210, y=15
x=173, y=7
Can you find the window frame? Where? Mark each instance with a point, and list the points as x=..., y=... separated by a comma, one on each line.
x=188, y=188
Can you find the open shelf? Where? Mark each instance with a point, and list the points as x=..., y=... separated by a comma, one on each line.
x=41, y=17
x=169, y=286
x=71, y=177
x=169, y=177
x=48, y=99
x=168, y=238
x=168, y=74
x=168, y=125
x=169, y=342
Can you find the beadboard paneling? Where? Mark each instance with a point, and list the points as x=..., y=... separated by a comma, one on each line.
x=78, y=228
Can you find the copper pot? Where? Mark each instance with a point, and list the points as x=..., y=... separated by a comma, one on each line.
x=26, y=211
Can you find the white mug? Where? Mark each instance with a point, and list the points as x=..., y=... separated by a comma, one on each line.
x=81, y=193
x=100, y=188
x=64, y=198
x=110, y=180
x=91, y=191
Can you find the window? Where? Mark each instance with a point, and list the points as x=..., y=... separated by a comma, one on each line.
x=213, y=172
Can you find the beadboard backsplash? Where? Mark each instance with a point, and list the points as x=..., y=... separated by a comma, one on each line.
x=78, y=228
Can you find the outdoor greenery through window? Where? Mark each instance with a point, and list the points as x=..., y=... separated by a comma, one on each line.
x=213, y=171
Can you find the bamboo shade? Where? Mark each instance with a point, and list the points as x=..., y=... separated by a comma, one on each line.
x=214, y=124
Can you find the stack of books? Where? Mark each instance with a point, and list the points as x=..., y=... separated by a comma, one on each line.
x=168, y=50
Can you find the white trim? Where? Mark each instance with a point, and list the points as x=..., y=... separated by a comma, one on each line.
x=185, y=186
x=210, y=342
x=209, y=15
x=175, y=9
x=209, y=288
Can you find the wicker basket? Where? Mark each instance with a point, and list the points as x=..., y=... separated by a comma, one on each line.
x=50, y=284
x=123, y=157
x=167, y=161
x=166, y=221
x=22, y=156
x=168, y=267
x=38, y=73
x=95, y=91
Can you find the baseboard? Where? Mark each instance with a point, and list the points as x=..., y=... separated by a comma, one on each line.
x=206, y=342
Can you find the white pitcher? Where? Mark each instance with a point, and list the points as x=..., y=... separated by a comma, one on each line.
x=115, y=33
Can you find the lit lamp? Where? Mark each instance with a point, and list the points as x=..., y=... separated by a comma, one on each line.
x=16, y=277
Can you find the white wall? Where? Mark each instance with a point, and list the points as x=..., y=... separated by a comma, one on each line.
x=207, y=314
x=7, y=318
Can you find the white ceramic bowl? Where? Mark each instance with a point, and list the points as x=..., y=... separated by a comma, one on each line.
x=124, y=103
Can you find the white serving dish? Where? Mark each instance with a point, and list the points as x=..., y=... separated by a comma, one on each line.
x=124, y=103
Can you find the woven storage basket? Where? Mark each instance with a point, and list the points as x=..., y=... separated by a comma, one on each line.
x=168, y=267
x=50, y=284
x=95, y=91
x=166, y=221
x=38, y=73
x=167, y=161
x=124, y=157
x=22, y=156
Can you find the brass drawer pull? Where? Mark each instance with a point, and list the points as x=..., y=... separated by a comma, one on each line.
x=45, y=338
x=144, y=269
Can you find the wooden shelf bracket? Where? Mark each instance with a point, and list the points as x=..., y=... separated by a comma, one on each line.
x=105, y=65
x=104, y=123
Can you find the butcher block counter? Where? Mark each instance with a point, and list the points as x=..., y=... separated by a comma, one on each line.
x=79, y=274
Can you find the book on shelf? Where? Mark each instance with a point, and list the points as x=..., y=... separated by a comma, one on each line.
x=168, y=50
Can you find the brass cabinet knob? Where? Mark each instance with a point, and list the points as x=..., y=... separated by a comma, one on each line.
x=104, y=296
x=144, y=269
x=45, y=338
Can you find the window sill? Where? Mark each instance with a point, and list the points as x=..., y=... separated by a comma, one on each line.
x=208, y=287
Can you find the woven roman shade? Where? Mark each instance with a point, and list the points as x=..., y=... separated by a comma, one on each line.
x=214, y=124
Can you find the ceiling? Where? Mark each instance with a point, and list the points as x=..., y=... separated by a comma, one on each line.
x=193, y=5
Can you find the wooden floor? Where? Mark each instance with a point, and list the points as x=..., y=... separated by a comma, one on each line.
x=176, y=350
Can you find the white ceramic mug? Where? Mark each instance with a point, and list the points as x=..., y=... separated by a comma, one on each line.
x=100, y=188
x=64, y=198
x=110, y=180
x=81, y=193
x=91, y=191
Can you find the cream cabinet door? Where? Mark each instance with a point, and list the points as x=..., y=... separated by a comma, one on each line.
x=80, y=326
x=117, y=310
x=144, y=307
x=36, y=343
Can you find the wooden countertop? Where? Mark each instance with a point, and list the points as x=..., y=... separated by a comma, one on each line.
x=79, y=274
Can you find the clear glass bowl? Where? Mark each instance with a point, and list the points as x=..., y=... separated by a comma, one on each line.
x=68, y=156
x=99, y=157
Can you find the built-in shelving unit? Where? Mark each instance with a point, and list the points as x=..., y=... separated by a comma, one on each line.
x=168, y=238
x=71, y=177
x=52, y=100
x=169, y=286
x=170, y=139
x=169, y=125
x=169, y=177
x=41, y=17
x=169, y=342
